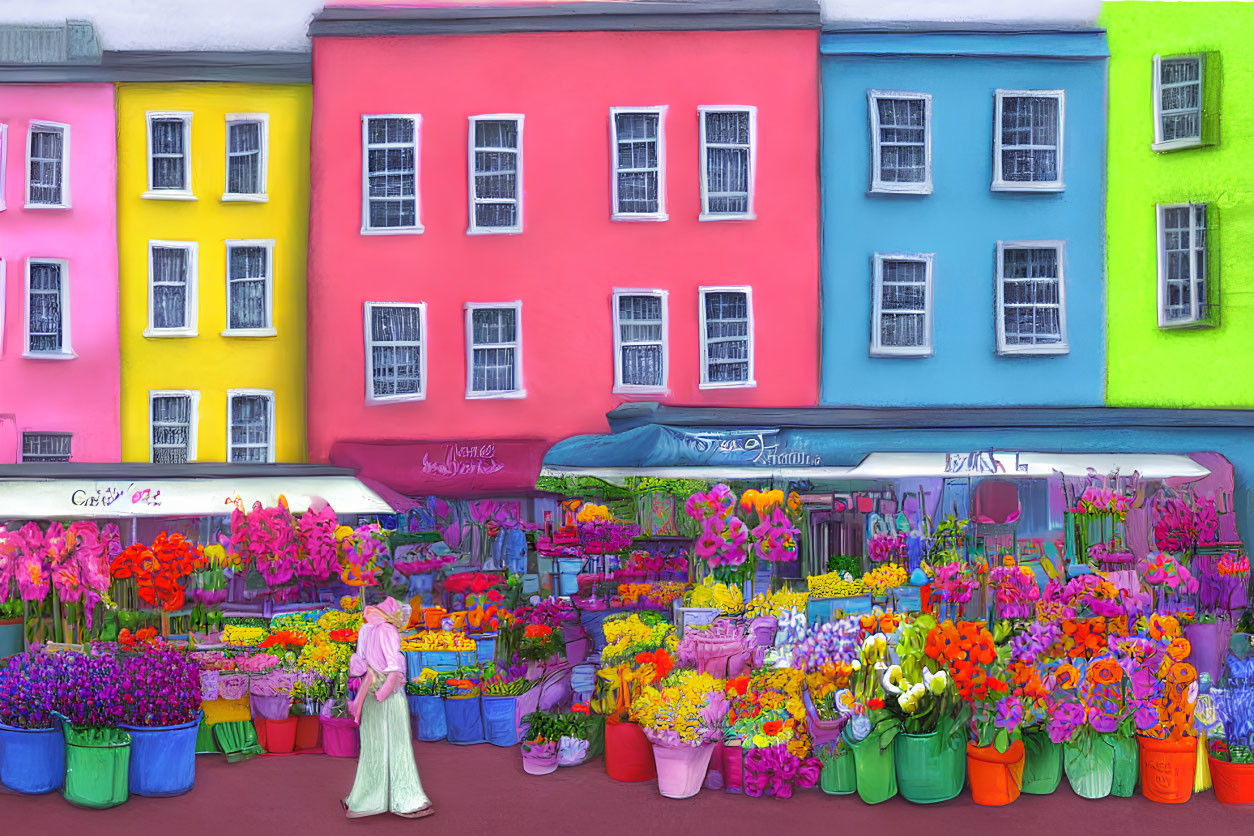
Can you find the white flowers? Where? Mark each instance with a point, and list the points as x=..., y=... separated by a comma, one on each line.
x=935, y=682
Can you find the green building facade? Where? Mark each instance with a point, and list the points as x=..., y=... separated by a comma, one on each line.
x=1180, y=205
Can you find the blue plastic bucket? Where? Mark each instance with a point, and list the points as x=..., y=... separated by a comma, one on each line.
x=430, y=716
x=163, y=758
x=485, y=648
x=464, y=719
x=440, y=660
x=499, y=716
x=32, y=761
x=567, y=584
x=413, y=663
x=570, y=565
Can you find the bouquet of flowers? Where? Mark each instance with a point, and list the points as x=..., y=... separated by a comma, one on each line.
x=629, y=635
x=776, y=603
x=887, y=547
x=686, y=709
x=1015, y=590
x=836, y=585
x=775, y=771
x=159, y=571
x=29, y=687
x=710, y=594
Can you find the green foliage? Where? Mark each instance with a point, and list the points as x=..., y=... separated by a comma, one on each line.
x=948, y=543
x=845, y=563
x=544, y=725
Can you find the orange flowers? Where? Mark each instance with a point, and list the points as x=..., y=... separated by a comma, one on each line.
x=159, y=569
x=1163, y=626
x=659, y=659
x=1068, y=676
x=537, y=631
x=1105, y=672
x=880, y=622
x=284, y=638
x=772, y=727
x=1084, y=638
x=144, y=635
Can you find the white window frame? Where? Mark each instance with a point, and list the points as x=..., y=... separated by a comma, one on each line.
x=1000, y=185
x=628, y=388
x=1196, y=317
x=4, y=165
x=65, y=163
x=1170, y=145
x=186, y=192
x=1062, y=347
x=21, y=444
x=67, y=351
x=193, y=418
x=268, y=394
x=262, y=196
x=877, y=302
x=520, y=389
x=706, y=214
x=366, y=228
x=706, y=383
x=424, y=342
x=660, y=214
x=472, y=199
x=189, y=328
x=268, y=330
x=879, y=186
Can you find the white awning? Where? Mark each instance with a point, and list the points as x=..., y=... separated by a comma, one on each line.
x=891, y=466
x=87, y=498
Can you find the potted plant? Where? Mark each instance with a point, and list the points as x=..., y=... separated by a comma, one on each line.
x=32, y=749
x=96, y=696
x=871, y=728
x=682, y=717
x=928, y=752
x=160, y=687
x=426, y=705
x=539, y=743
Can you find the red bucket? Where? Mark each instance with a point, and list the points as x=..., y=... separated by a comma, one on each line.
x=1234, y=782
x=628, y=753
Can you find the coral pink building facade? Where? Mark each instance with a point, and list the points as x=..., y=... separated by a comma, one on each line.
x=59, y=370
x=584, y=118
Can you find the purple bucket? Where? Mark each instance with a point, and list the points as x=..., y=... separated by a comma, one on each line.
x=1208, y=646
x=823, y=732
x=762, y=630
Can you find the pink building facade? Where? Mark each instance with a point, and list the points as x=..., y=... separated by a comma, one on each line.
x=59, y=368
x=519, y=223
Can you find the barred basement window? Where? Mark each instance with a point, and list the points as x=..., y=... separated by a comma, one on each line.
x=639, y=184
x=396, y=362
x=390, y=148
x=901, y=142
x=247, y=151
x=496, y=173
x=901, y=324
x=494, y=349
x=47, y=165
x=251, y=425
x=728, y=147
x=1031, y=308
x=46, y=447
x=1027, y=149
x=172, y=425
x=726, y=316
x=640, y=340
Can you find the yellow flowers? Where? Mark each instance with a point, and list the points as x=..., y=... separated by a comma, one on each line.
x=439, y=640
x=240, y=636
x=909, y=699
x=630, y=636
x=336, y=620
x=593, y=513
x=709, y=594
x=884, y=577
x=776, y=603
x=679, y=707
x=833, y=585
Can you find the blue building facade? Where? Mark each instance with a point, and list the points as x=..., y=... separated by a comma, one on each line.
x=963, y=218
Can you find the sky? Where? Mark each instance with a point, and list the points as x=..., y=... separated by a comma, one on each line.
x=281, y=24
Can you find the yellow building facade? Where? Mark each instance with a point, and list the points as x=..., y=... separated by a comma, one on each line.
x=213, y=208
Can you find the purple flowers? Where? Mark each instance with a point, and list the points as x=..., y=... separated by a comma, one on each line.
x=1009, y=713
x=1065, y=719
x=773, y=770
x=722, y=541
x=1031, y=644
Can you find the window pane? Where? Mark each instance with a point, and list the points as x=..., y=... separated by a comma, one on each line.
x=250, y=428
x=1180, y=98
x=496, y=174
x=493, y=325
x=244, y=158
x=637, y=162
x=46, y=447
x=1184, y=260
x=169, y=157
x=396, y=350
x=391, y=181
x=641, y=340
x=46, y=166
x=1029, y=139
x=171, y=429
x=902, y=140
x=903, y=304
x=1031, y=296
x=45, y=326
x=169, y=287
x=727, y=336
x=494, y=369
x=247, y=281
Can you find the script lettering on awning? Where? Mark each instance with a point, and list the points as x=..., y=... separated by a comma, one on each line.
x=979, y=462
x=106, y=496
x=463, y=460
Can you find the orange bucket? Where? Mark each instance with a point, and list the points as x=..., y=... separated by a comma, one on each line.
x=432, y=616
x=1234, y=782
x=1168, y=768
x=995, y=777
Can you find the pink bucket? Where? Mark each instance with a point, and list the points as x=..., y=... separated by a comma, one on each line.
x=681, y=769
x=339, y=737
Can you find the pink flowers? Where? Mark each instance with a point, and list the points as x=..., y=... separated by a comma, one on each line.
x=722, y=541
x=773, y=770
x=886, y=547
x=1182, y=526
x=267, y=536
x=953, y=584
x=1165, y=569
x=1016, y=591
x=776, y=538
x=1096, y=500
x=718, y=502
x=319, y=558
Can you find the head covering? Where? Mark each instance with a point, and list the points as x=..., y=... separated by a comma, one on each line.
x=379, y=639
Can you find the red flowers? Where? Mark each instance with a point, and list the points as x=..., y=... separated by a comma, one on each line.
x=661, y=661
x=142, y=636
x=471, y=582
x=344, y=634
x=875, y=702
x=285, y=638
x=580, y=708
x=159, y=570
x=772, y=727
x=537, y=631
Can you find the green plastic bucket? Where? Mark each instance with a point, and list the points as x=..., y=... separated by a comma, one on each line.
x=1042, y=764
x=97, y=762
x=839, y=775
x=204, y=739
x=1126, y=766
x=873, y=764
x=1090, y=766
x=929, y=768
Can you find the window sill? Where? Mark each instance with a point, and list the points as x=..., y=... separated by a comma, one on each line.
x=1035, y=351
x=500, y=230
x=250, y=332
x=1029, y=187
x=372, y=400
x=172, y=194
x=392, y=230
x=517, y=394
x=656, y=217
x=169, y=333
x=738, y=384
x=642, y=391
x=1186, y=325
x=1176, y=144
x=747, y=216
x=49, y=355
x=245, y=198
x=913, y=188
x=907, y=354
x=29, y=205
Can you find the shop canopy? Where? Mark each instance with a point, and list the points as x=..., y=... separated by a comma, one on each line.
x=815, y=454
x=117, y=491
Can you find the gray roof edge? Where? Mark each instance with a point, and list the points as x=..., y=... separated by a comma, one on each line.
x=123, y=471
x=143, y=65
x=616, y=15
x=956, y=28
x=930, y=418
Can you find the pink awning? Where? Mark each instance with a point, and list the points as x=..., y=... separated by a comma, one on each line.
x=458, y=469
